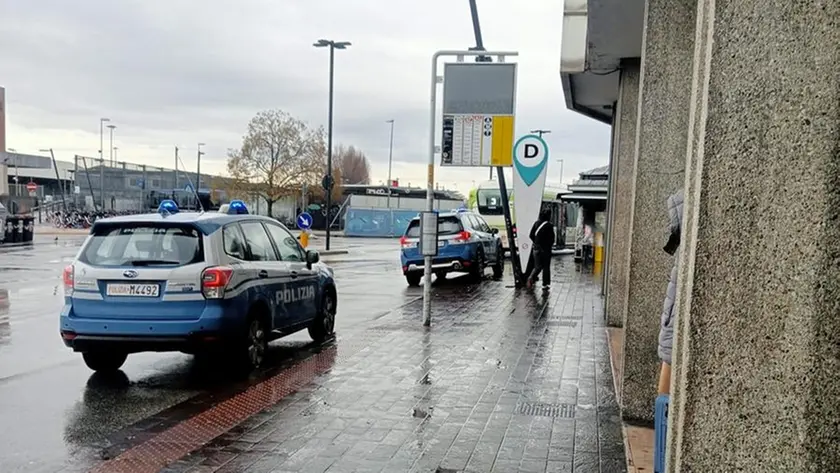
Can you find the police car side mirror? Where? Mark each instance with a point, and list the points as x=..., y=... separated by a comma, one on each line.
x=312, y=257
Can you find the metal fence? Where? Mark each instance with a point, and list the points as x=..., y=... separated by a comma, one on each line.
x=121, y=186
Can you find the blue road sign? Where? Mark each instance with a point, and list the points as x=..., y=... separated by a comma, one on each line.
x=188, y=188
x=304, y=221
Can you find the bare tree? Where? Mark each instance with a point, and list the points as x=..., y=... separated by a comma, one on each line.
x=353, y=164
x=279, y=153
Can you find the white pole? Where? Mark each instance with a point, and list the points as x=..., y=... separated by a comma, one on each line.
x=390, y=161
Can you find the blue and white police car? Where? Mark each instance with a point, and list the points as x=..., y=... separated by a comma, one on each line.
x=223, y=283
x=466, y=243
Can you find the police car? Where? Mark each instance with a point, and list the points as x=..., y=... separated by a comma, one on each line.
x=221, y=283
x=466, y=243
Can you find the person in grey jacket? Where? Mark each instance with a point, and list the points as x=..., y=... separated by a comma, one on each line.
x=666, y=320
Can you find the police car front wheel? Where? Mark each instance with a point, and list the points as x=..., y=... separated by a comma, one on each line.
x=104, y=361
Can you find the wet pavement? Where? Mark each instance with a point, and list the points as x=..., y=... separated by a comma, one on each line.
x=503, y=381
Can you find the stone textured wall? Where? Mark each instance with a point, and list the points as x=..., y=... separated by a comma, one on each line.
x=755, y=385
x=622, y=176
x=667, y=54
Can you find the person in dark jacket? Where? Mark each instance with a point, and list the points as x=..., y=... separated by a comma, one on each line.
x=542, y=238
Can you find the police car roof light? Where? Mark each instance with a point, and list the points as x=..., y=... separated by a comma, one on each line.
x=168, y=207
x=237, y=207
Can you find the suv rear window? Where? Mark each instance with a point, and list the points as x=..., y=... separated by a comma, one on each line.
x=446, y=226
x=143, y=245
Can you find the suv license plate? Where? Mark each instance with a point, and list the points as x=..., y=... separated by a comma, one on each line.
x=133, y=290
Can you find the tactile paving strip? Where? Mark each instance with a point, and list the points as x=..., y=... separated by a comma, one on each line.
x=176, y=442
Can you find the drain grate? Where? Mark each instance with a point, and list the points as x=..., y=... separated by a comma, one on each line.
x=566, y=411
x=561, y=323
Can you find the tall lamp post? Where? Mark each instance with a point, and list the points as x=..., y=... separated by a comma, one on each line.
x=328, y=179
x=101, y=163
x=111, y=144
x=390, y=161
x=198, y=168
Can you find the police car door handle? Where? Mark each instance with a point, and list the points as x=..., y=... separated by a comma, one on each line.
x=293, y=274
x=263, y=274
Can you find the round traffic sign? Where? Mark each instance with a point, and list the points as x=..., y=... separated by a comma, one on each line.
x=31, y=187
x=304, y=221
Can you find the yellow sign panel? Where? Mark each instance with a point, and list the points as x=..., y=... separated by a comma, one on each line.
x=477, y=140
x=502, y=138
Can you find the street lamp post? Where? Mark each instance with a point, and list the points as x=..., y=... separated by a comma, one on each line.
x=101, y=162
x=198, y=168
x=111, y=144
x=390, y=161
x=328, y=179
x=116, y=158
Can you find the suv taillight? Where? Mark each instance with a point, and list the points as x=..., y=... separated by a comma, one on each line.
x=404, y=243
x=214, y=280
x=68, y=280
x=462, y=237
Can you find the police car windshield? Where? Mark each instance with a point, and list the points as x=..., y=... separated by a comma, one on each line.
x=446, y=226
x=143, y=245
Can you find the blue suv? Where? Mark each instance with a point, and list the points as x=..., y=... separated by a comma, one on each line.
x=465, y=244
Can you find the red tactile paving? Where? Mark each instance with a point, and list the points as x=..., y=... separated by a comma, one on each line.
x=174, y=443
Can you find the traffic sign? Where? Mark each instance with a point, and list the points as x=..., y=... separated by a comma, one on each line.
x=188, y=187
x=31, y=187
x=530, y=159
x=304, y=221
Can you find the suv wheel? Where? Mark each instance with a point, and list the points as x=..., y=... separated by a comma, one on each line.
x=323, y=326
x=477, y=271
x=413, y=279
x=499, y=266
x=104, y=361
x=252, y=348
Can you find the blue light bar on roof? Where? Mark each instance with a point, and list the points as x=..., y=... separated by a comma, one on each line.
x=237, y=207
x=168, y=207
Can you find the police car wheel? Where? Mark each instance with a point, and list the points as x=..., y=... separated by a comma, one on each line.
x=323, y=327
x=499, y=266
x=477, y=271
x=256, y=343
x=104, y=361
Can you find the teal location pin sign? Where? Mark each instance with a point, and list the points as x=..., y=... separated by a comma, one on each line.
x=534, y=149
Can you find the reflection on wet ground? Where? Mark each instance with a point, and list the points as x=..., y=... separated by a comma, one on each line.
x=503, y=381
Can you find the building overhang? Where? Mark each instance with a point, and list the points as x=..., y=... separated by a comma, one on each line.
x=597, y=36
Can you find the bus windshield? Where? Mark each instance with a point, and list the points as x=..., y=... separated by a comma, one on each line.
x=489, y=201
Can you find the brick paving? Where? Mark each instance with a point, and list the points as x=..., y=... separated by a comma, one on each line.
x=504, y=381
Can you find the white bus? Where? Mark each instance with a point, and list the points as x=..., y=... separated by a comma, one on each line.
x=486, y=200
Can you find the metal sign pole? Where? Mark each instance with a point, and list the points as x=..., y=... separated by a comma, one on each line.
x=518, y=279
x=430, y=174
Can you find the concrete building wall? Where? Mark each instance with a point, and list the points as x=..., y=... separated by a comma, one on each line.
x=621, y=198
x=755, y=386
x=660, y=157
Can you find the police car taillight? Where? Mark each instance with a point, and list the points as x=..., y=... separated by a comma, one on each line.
x=405, y=243
x=214, y=280
x=68, y=280
x=462, y=237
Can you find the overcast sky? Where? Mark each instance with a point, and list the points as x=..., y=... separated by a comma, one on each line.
x=179, y=72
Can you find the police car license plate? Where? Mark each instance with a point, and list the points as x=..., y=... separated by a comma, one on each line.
x=133, y=290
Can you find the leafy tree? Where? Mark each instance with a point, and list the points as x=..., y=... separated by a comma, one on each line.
x=279, y=153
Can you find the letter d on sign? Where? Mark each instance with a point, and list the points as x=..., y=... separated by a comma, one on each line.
x=531, y=151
